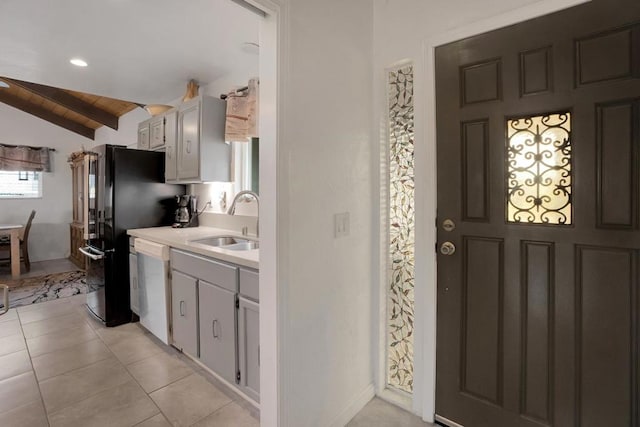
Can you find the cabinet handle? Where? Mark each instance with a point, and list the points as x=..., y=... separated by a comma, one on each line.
x=169, y=152
x=181, y=308
x=258, y=355
x=188, y=146
x=213, y=327
x=135, y=283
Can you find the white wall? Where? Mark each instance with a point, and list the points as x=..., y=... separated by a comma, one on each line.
x=127, y=133
x=49, y=236
x=409, y=30
x=325, y=284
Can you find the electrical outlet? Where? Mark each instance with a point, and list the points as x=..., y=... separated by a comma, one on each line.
x=341, y=224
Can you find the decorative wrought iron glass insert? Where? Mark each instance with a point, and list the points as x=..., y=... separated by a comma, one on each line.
x=539, y=169
x=400, y=298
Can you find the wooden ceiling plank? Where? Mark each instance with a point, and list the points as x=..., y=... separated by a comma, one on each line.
x=47, y=115
x=70, y=102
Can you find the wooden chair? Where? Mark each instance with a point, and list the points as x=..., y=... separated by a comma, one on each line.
x=5, y=243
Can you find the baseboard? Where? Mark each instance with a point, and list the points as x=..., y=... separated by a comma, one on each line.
x=354, y=406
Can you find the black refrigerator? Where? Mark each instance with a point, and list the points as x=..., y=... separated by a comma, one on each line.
x=123, y=189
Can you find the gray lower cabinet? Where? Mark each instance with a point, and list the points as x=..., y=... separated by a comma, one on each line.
x=249, y=347
x=218, y=330
x=224, y=331
x=184, y=314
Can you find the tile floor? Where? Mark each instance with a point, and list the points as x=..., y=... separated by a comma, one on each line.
x=59, y=367
x=379, y=413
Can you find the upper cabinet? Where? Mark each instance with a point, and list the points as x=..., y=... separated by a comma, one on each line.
x=202, y=153
x=158, y=132
x=192, y=137
x=143, y=135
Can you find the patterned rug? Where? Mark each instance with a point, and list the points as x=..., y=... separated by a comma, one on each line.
x=45, y=288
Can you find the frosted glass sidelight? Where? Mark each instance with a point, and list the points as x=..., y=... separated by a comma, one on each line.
x=400, y=298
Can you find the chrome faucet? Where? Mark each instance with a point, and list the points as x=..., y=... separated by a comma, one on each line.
x=247, y=193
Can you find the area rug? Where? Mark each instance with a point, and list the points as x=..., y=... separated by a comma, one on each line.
x=45, y=288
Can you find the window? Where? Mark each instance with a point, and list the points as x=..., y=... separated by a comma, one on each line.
x=539, y=169
x=20, y=185
x=246, y=161
x=401, y=221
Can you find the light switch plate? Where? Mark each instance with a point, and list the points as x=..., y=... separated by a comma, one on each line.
x=341, y=224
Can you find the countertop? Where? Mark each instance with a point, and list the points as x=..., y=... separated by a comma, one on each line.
x=181, y=238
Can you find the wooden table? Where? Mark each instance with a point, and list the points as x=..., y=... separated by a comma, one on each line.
x=13, y=230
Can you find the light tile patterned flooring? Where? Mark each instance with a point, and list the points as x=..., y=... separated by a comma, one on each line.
x=59, y=367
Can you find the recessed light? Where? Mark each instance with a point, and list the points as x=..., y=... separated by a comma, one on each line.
x=79, y=62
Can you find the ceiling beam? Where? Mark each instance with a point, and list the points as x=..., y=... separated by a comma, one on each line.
x=69, y=102
x=45, y=114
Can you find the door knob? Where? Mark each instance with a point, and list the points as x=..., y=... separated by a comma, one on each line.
x=447, y=248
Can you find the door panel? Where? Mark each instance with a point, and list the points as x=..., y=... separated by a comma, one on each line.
x=249, y=347
x=218, y=330
x=538, y=323
x=184, y=312
x=617, y=192
x=482, y=299
x=605, y=396
x=537, y=330
x=189, y=142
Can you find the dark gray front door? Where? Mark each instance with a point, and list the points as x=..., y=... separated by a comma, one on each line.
x=538, y=129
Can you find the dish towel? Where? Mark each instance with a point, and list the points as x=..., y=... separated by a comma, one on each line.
x=242, y=114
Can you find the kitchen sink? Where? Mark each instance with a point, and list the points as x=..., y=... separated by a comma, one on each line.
x=229, y=242
x=219, y=240
x=243, y=246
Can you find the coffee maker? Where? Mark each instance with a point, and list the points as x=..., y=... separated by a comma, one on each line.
x=187, y=212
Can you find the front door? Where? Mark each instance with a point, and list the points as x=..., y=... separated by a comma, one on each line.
x=538, y=133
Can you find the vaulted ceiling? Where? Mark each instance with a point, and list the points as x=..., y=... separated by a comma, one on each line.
x=144, y=51
x=78, y=112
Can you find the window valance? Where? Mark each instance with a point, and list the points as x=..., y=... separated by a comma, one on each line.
x=25, y=158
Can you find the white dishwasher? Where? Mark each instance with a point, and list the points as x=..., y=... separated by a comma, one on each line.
x=153, y=285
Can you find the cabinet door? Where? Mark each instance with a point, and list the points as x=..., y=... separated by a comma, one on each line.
x=184, y=314
x=143, y=136
x=156, y=129
x=218, y=330
x=249, y=348
x=170, y=139
x=133, y=284
x=189, y=142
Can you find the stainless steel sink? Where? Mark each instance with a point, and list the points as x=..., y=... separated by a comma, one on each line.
x=219, y=240
x=229, y=242
x=243, y=246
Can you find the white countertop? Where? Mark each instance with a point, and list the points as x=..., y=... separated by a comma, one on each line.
x=181, y=238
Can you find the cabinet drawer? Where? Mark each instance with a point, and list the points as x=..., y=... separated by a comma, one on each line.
x=214, y=272
x=249, y=284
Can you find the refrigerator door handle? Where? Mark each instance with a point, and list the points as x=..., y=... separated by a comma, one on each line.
x=86, y=251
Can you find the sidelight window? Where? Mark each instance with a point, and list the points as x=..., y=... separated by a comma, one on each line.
x=401, y=221
x=539, y=169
